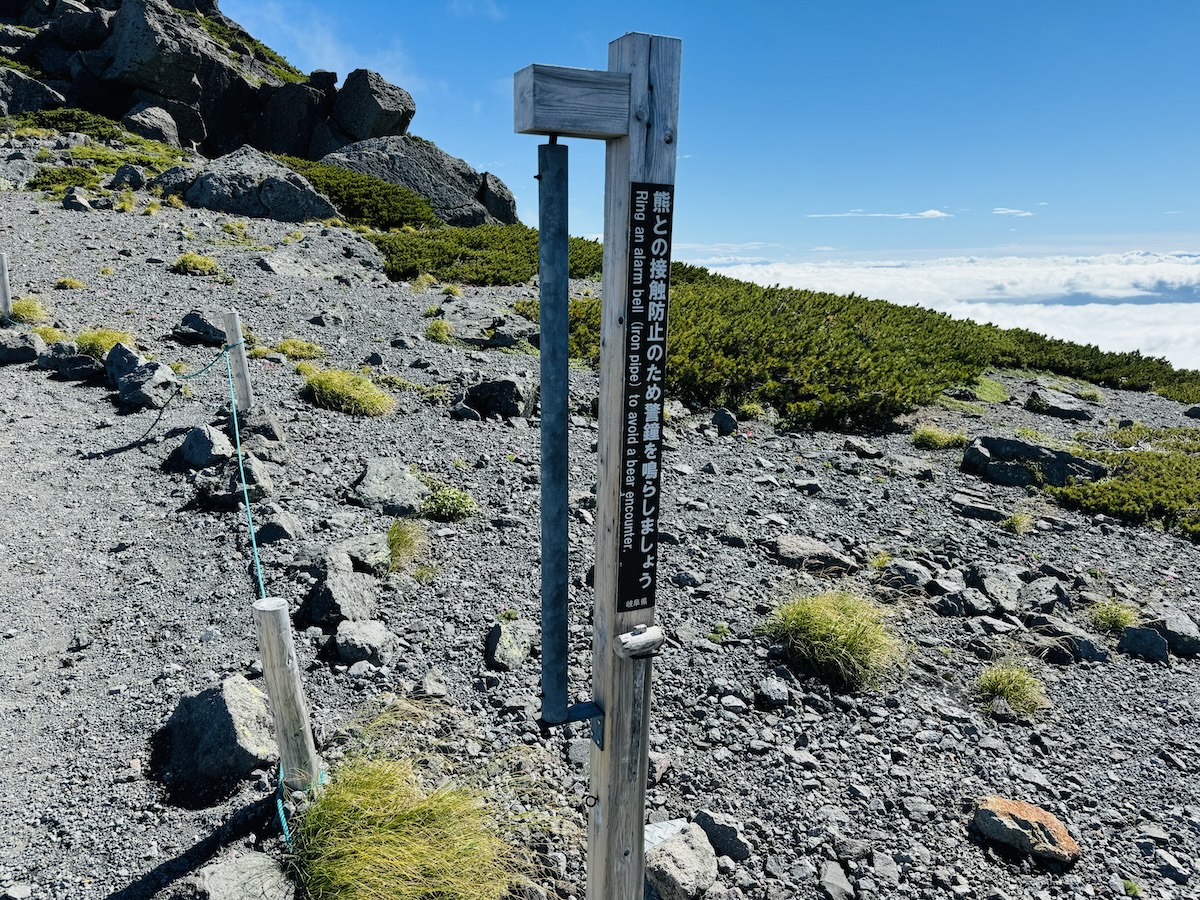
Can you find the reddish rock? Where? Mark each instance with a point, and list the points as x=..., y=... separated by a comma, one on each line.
x=1025, y=828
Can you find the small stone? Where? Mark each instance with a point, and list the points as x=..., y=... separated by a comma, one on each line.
x=682, y=867
x=725, y=421
x=509, y=645
x=724, y=833
x=1145, y=643
x=834, y=884
x=1025, y=828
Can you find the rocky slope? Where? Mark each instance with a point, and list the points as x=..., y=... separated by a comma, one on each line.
x=128, y=588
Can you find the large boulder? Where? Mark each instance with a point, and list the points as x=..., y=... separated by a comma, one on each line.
x=1002, y=460
x=152, y=122
x=369, y=107
x=289, y=117
x=249, y=183
x=77, y=26
x=456, y=191
x=1026, y=829
x=19, y=93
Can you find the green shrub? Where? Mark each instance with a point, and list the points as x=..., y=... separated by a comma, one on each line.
x=344, y=391
x=237, y=41
x=97, y=342
x=55, y=180
x=1112, y=616
x=440, y=332
x=1013, y=682
x=366, y=200
x=29, y=310
x=930, y=437
x=837, y=635
x=294, y=348
x=448, y=504
x=375, y=833
x=69, y=283
x=406, y=541
x=195, y=264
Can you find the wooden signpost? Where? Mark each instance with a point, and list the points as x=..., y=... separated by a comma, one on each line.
x=5, y=296
x=634, y=108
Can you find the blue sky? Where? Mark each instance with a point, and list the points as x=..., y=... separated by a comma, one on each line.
x=1033, y=163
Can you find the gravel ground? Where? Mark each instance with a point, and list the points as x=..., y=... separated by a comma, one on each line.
x=123, y=594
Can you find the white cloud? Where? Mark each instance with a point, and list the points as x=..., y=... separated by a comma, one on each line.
x=858, y=213
x=1144, y=301
x=1005, y=211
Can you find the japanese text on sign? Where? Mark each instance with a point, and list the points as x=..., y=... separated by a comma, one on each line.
x=642, y=394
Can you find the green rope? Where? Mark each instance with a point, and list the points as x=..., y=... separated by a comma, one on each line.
x=224, y=351
x=237, y=442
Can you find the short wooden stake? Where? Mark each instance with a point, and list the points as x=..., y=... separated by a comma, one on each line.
x=5, y=296
x=241, y=368
x=299, y=766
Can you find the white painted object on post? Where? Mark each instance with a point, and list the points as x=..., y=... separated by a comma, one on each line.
x=5, y=296
x=639, y=196
x=300, y=766
x=238, y=362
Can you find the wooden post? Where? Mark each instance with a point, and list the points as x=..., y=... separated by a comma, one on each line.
x=5, y=296
x=644, y=156
x=634, y=107
x=299, y=765
x=241, y=368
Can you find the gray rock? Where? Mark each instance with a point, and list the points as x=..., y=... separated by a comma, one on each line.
x=724, y=833
x=725, y=421
x=1001, y=583
x=464, y=413
x=833, y=883
x=905, y=575
x=150, y=385
x=15, y=174
x=1145, y=643
x=77, y=26
x=1042, y=594
x=152, y=122
x=432, y=686
x=390, y=486
x=173, y=182
x=367, y=640
x=509, y=644
x=1078, y=644
x=1192, y=412
x=220, y=734
x=1025, y=828
x=976, y=508
x=862, y=449
x=204, y=446
x=1003, y=460
x=1057, y=404
x=249, y=876
x=1177, y=627
x=200, y=328
x=76, y=200
x=289, y=117
x=455, y=191
x=340, y=594
x=486, y=321
x=510, y=398
x=249, y=183
x=1170, y=867
x=683, y=866
x=19, y=93
x=367, y=106
x=772, y=693
x=367, y=553
x=127, y=176
x=68, y=364
x=119, y=362
x=965, y=602
x=276, y=525
x=733, y=535
x=801, y=552
x=20, y=346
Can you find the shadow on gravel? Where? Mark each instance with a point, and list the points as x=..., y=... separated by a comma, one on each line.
x=146, y=440
x=257, y=818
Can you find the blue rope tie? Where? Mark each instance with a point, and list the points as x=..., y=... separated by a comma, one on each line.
x=287, y=834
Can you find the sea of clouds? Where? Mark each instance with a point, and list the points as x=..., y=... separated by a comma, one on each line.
x=1128, y=301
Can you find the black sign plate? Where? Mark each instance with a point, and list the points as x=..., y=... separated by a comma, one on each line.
x=643, y=394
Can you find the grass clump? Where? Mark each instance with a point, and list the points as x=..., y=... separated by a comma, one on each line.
x=423, y=282
x=49, y=333
x=29, y=310
x=839, y=636
x=452, y=290
x=1018, y=523
x=295, y=348
x=406, y=541
x=195, y=264
x=344, y=391
x=930, y=437
x=440, y=332
x=1015, y=684
x=55, y=180
x=1112, y=616
x=366, y=200
x=447, y=504
x=376, y=833
x=69, y=283
x=98, y=341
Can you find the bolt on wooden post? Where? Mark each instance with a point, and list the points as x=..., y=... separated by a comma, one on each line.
x=634, y=108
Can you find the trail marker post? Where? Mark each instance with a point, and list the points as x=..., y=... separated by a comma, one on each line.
x=5, y=296
x=634, y=108
x=238, y=363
